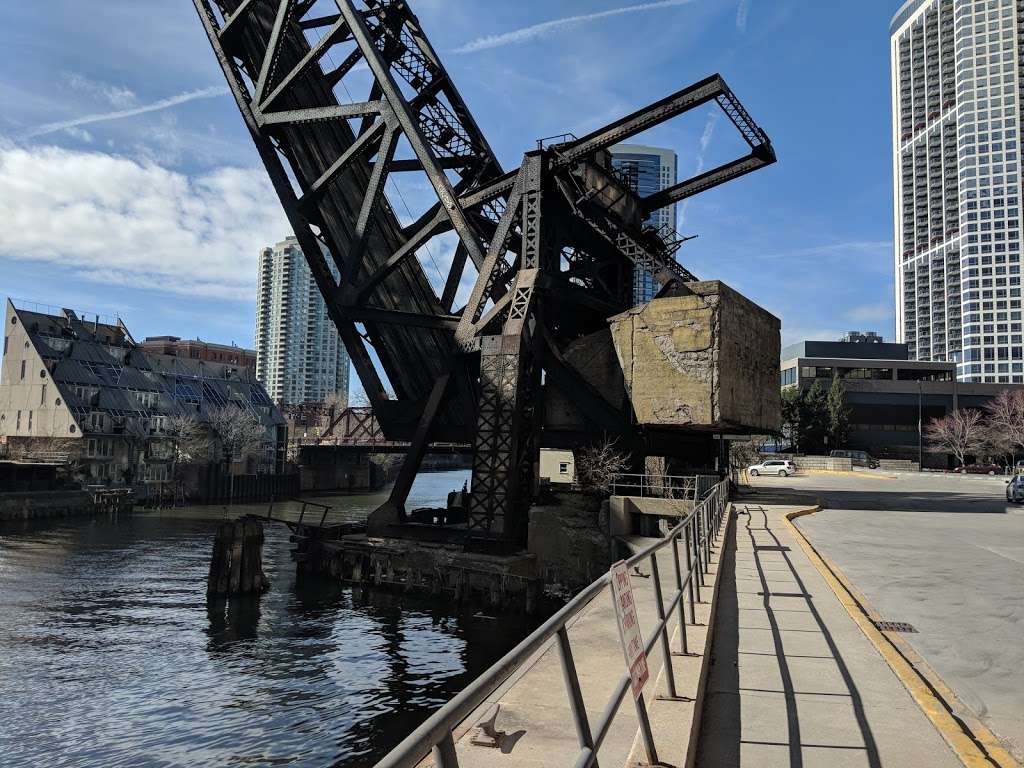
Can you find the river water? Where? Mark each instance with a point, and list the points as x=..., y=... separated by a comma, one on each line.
x=111, y=656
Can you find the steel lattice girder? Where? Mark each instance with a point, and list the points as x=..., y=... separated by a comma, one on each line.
x=554, y=254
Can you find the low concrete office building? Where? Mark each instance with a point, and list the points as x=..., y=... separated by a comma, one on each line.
x=885, y=391
x=88, y=390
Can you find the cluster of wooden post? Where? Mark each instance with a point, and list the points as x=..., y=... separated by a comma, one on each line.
x=237, y=564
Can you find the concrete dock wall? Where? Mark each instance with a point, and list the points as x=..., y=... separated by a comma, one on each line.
x=506, y=583
x=32, y=505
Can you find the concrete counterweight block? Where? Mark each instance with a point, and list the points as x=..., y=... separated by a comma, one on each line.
x=236, y=567
x=705, y=360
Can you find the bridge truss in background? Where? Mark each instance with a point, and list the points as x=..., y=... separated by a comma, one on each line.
x=552, y=244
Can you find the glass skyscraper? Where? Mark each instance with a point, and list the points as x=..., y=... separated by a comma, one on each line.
x=647, y=170
x=956, y=80
x=299, y=356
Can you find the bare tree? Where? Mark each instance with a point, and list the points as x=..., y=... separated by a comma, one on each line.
x=190, y=443
x=238, y=432
x=743, y=455
x=135, y=437
x=597, y=465
x=1005, y=416
x=359, y=399
x=960, y=433
x=335, y=402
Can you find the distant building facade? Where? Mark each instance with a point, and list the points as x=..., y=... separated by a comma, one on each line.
x=300, y=357
x=647, y=170
x=557, y=466
x=66, y=382
x=956, y=106
x=196, y=349
x=886, y=392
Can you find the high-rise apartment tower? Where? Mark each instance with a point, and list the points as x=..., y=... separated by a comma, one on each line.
x=647, y=170
x=299, y=356
x=956, y=67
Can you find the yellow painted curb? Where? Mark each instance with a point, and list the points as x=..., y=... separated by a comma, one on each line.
x=973, y=743
x=840, y=473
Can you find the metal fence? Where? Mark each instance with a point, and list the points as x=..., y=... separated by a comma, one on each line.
x=695, y=536
x=655, y=486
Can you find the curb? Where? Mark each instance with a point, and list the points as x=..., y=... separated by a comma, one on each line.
x=972, y=742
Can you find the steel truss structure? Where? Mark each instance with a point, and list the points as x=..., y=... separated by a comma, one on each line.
x=553, y=243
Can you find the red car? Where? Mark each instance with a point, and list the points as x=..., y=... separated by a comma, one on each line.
x=981, y=469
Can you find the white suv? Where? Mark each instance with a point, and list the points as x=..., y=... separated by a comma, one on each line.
x=782, y=468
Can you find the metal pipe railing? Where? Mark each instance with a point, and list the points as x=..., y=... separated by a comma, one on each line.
x=655, y=486
x=695, y=533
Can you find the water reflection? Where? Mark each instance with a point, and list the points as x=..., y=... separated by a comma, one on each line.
x=110, y=654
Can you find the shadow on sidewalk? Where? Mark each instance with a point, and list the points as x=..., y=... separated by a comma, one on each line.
x=939, y=501
x=742, y=723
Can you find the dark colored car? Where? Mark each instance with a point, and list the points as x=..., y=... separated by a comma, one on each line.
x=858, y=458
x=981, y=469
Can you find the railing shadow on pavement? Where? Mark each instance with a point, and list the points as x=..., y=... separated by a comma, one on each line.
x=722, y=737
x=984, y=499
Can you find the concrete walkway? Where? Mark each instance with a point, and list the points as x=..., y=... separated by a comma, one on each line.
x=794, y=681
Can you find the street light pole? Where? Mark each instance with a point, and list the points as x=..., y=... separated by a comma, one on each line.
x=920, y=438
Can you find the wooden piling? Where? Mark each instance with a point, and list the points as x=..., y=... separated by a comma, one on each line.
x=236, y=567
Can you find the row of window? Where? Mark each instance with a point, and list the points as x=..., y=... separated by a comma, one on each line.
x=789, y=375
x=883, y=427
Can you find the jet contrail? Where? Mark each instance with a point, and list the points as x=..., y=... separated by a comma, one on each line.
x=171, y=101
x=742, y=12
x=547, y=27
x=705, y=142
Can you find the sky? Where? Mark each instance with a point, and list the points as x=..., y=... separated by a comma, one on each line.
x=129, y=185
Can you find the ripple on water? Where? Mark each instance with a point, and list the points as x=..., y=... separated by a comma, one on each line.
x=111, y=656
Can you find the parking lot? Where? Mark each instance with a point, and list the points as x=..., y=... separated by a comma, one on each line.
x=945, y=554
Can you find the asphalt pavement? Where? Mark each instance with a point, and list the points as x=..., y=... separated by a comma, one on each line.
x=945, y=554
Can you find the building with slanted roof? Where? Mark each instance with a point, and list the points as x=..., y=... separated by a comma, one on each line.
x=87, y=388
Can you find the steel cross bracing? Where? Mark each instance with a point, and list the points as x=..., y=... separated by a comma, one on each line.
x=553, y=244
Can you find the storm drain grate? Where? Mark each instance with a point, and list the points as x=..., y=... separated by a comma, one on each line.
x=895, y=626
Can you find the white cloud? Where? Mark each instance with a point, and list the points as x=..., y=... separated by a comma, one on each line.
x=117, y=220
x=526, y=34
x=872, y=313
x=742, y=13
x=114, y=95
x=171, y=101
x=79, y=133
x=796, y=334
x=868, y=248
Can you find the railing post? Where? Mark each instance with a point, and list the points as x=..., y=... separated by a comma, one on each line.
x=444, y=753
x=572, y=685
x=682, y=597
x=666, y=650
x=689, y=571
x=698, y=548
x=707, y=530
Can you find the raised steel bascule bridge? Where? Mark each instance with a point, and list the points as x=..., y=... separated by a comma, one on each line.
x=554, y=243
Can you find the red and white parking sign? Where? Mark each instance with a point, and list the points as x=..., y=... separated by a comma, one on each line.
x=629, y=627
